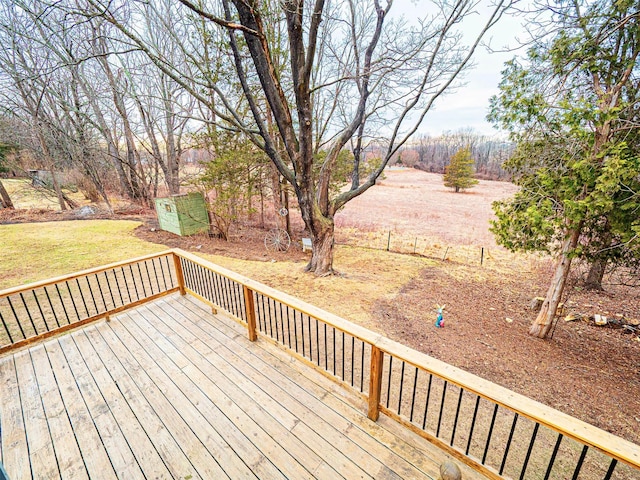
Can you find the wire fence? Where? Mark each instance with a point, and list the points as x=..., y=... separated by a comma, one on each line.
x=411, y=244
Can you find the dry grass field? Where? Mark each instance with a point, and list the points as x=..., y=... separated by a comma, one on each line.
x=416, y=204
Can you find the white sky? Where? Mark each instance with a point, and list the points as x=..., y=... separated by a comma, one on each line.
x=468, y=106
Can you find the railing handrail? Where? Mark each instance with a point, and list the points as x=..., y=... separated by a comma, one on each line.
x=612, y=445
x=90, y=271
x=357, y=331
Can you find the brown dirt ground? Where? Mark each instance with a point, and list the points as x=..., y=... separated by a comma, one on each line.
x=590, y=372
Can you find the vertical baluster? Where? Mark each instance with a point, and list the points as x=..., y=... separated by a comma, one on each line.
x=553, y=456
x=203, y=281
x=64, y=308
x=194, y=268
x=82, y=297
x=288, y=325
x=334, y=350
x=44, y=319
x=16, y=317
x=216, y=289
x=142, y=282
x=302, y=333
x=526, y=458
x=508, y=446
x=155, y=274
x=317, y=342
x=455, y=421
x=133, y=279
x=259, y=315
x=362, y=367
x=101, y=292
x=444, y=394
x=265, y=314
x=73, y=302
x=212, y=287
x=353, y=344
x=28, y=313
x=146, y=268
x=413, y=394
x=295, y=330
x=126, y=284
x=310, y=337
x=233, y=305
x=343, y=355
x=401, y=387
x=92, y=296
x=389, y=379
x=175, y=280
x=275, y=321
x=493, y=421
x=326, y=349
x=282, y=325
x=53, y=310
x=106, y=278
x=612, y=467
x=232, y=296
x=426, y=403
x=583, y=454
x=115, y=276
x=242, y=308
x=185, y=268
x=6, y=328
x=225, y=292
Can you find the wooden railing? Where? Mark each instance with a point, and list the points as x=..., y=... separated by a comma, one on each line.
x=41, y=309
x=492, y=429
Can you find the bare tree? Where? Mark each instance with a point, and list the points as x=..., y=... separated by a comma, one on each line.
x=350, y=70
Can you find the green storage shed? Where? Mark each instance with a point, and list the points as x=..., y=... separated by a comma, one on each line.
x=184, y=214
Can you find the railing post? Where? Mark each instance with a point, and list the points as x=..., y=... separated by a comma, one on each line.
x=375, y=382
x=251, y=313
x=179, y=273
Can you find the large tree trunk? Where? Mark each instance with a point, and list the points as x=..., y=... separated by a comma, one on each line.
x=542, y=324
x=58, y=190
x=5, y=199
x=596, y=274
x=321, y=262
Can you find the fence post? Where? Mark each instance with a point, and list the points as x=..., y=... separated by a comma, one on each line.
x=251, y=313
x=389, y=242
x=179, y=273
x=375, y=382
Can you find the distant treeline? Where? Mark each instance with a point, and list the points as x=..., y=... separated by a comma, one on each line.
x=432, y=154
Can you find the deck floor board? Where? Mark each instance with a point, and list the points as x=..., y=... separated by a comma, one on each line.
x=168, y=390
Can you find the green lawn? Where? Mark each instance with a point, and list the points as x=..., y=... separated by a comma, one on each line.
x=24, y=195
x=36, y=251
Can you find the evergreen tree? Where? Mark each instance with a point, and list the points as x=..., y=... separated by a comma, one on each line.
x=459, y=174
x=570, y=108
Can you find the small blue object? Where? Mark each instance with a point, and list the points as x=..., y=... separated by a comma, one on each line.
x=440, y=320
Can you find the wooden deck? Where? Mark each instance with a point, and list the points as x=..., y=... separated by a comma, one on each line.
x=168, y=390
